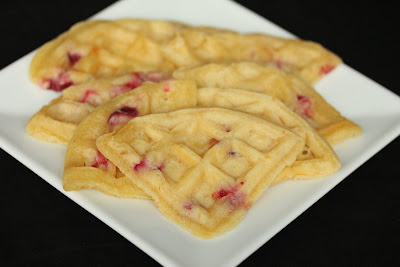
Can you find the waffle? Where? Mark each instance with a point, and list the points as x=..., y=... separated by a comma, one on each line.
x=317, y=158
x=204, y=168
x=104, y=48
x=195, y=46
x=57, y=121
x=86, y=167
x=292, y=91
x=101, y=48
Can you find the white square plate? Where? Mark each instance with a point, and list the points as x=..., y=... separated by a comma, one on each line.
x=139, y=220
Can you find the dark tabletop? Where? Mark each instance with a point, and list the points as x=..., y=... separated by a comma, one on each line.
x=356, y=223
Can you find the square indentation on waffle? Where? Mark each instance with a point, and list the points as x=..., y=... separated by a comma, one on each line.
x=234, y=157
x=204, y=181
x=173, y=160
x=199, y=165
x=207, y=134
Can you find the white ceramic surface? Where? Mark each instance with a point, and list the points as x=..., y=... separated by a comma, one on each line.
x=138, y=220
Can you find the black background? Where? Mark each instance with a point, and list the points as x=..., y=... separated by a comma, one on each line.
x=356, y=223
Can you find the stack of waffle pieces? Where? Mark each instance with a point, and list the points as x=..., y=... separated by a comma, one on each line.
x=200, y=120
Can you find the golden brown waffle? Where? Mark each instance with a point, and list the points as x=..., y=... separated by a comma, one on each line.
x=86, y=167
x=99, y=48
x=288, y=88
x=203, y=167
x=57, y=121
x=317, y=158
